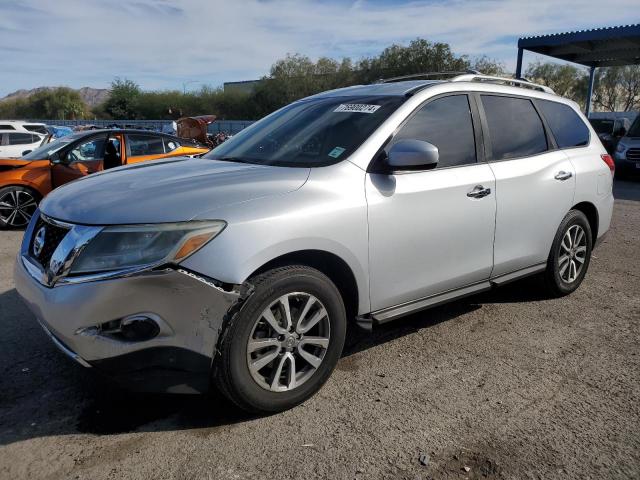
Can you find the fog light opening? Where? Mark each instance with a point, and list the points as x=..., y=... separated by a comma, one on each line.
x=138, y=328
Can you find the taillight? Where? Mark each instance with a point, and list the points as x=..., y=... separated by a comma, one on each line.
x=606, y=158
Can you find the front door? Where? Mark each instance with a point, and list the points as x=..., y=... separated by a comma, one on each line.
x=428, y=230
x=83, y=159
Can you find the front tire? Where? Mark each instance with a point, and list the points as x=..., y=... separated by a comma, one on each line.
x=17, y=206
x=570, y=254
x=284, y=342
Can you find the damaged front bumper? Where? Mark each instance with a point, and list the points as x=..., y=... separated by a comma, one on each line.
x=189, y=311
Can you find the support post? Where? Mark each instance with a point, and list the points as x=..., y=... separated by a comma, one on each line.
x=592, y=74
x=519, y=64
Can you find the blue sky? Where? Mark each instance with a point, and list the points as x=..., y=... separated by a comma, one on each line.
x=170, y=44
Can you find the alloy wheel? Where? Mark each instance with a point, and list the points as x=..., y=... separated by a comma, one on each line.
x=17, y=207
x=288, y=342
x=572, y=254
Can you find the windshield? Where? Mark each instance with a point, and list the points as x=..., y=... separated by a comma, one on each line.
x=634, y=131
x=310, y=133
x=44, y=151
x=602, y=126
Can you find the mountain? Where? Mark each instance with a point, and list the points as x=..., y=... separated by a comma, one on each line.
x=91, y=96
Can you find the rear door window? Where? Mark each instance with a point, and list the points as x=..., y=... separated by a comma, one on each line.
x=567, y=127
x=515, y=128
x=22, y=138
x=140, y=145
x=446, y=123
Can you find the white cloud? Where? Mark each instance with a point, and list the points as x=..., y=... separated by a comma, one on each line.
x=161, y=44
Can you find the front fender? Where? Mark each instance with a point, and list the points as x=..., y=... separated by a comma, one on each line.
x=328, y=214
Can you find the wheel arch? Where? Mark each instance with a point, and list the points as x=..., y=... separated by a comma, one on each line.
x=591, y=212
x=334, y=267
x=26, y=185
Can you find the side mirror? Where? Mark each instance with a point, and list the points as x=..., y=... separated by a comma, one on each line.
x=26, y=152
x=413, y=155
x=55, y=159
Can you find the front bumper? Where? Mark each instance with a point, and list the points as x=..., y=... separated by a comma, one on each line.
x=189, y=309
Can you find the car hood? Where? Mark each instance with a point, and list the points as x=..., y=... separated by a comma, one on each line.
x=7, y=164
x=172, y=190
x=13, y=162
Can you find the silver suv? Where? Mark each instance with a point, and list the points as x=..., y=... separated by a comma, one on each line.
x=363, y=204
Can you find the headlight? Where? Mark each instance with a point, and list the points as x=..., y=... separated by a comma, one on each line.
x=621, y=148
x=122, y=247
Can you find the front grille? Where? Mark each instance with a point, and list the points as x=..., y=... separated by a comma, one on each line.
x=53, y=235
x=633, y=154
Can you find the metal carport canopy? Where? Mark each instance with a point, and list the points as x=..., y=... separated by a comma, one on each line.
x=601, y=47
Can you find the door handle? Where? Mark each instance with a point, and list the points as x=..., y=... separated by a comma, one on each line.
x=479, y=192
x=562, y=175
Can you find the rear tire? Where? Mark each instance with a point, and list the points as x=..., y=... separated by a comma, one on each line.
x=267, y=364
x=17, y=206
x=570, y=255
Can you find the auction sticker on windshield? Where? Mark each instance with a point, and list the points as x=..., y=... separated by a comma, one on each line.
x=336, y=152
x=357, y=108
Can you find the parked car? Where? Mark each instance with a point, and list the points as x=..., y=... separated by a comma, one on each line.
x=361, y=204
x=23, y=126
x=627, y=154
x=610, y=131
x=25, y=181
x=14, y=144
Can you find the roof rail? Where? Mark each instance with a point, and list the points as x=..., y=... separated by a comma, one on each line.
x=426, y=74
x=520, y=82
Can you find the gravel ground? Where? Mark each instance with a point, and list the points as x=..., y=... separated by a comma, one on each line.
x=507, y=384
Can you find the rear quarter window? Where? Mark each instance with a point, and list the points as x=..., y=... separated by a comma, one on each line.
x=566, y=125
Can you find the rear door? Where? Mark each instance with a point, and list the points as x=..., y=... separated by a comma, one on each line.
x=428, y=231
x=141, y=147
x=535, y=181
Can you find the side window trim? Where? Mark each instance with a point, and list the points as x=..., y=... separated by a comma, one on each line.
x=551, y=145
x=474, y=121
x=478, y=128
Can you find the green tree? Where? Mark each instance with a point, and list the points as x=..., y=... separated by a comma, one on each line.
x=122, y=101
x=617, y=88
x=565, y=80
x=488, y=66
x=58, y=103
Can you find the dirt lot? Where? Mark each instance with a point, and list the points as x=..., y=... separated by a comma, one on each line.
x=507, y=384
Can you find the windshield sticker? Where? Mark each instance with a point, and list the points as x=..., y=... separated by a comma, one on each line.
x=336, y=152
x=357, y=108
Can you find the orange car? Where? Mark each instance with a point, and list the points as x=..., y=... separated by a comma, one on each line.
x=25, y=181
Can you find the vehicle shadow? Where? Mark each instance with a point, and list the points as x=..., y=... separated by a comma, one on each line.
x=43, y=393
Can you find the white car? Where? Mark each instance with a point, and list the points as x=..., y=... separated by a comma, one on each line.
x=23, y=126
x=15, y=144
x=363, y=204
